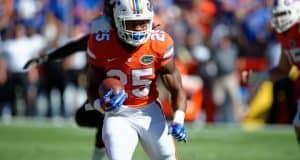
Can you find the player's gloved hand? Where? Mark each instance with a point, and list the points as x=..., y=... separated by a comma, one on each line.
x=176, y=128
x=178, y=131
x=107, y=103
x=37, y=60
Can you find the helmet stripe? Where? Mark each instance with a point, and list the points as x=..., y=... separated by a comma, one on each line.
x=137, y=7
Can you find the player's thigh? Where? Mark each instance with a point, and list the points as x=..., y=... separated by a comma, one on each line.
x=119, y=137
x=88, y=118
x=160, y=148
x=154, y=136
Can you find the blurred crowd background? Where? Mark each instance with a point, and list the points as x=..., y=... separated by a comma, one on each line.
x=215, y=41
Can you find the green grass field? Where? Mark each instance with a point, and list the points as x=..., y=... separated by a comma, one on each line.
x=41, y=140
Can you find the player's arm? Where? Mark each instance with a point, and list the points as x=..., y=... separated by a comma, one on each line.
x=256, y=79
x=108, y=102
x=282, y=70
x=95, y=75
x=171, y=79
x=60, y=53
x=274, y=74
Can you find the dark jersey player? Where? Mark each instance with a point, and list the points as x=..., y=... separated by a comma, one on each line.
x=85, y=116
x=286, y=22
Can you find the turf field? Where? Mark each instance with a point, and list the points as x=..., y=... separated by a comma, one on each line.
x=42, y=140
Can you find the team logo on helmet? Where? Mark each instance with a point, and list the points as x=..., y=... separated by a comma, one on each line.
x=147, y=59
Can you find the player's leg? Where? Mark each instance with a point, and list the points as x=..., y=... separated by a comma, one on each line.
x=87, y=117
x=119, y=136
x=297, y=122
x=297, y=130
x=154, y=134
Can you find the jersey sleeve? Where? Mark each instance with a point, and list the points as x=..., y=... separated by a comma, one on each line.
x=93, y=55
x=165, y=49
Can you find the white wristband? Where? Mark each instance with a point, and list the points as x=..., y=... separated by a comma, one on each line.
x=179, y=117
x=97, y=106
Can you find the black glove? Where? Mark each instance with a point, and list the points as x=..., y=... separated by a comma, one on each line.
x=38, y=60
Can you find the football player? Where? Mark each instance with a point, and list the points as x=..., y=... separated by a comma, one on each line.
x=85, y=116
x=286, y=21
x=137, y=55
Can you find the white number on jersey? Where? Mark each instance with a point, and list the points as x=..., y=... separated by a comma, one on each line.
x=102, y=35
x=138, y=79
x=158, y=35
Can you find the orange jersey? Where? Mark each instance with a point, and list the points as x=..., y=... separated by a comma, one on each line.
x=290, y=42
x=137, y=69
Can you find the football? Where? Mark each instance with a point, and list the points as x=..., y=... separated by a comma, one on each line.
x=109, y=83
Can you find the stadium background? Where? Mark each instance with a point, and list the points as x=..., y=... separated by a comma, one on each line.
x=215, y=41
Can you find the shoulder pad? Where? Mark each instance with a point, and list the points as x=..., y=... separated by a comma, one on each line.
x=161, y=41
x=100, y=23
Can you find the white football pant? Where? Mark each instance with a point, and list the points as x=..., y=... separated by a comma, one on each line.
x=124, y=129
